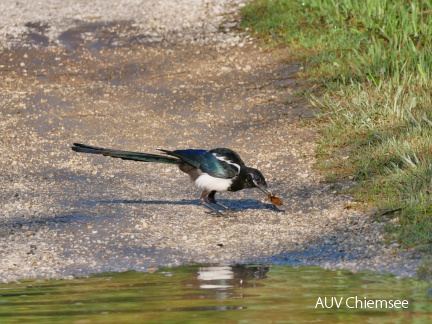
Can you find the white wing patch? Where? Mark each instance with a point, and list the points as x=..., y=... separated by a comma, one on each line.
x=207, y=182
x=224, y=159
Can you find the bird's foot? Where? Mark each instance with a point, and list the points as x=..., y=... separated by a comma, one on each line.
x=218, y=213
x=213, y=201
x=223, y=206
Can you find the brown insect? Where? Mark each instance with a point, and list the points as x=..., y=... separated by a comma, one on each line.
x=273, y=199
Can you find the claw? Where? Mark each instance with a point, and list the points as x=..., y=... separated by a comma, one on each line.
x=218, y=213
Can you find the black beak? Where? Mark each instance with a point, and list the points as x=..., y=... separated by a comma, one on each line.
x=263, y=189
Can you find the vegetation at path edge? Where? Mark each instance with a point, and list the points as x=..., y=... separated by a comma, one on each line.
x=374, y=61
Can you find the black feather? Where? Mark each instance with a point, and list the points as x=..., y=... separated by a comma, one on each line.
x=125, y=155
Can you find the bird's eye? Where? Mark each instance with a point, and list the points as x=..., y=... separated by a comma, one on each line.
x=257, y=179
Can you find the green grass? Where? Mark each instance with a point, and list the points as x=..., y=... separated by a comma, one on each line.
x=374, y=58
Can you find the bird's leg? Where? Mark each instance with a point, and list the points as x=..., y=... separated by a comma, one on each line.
x=212, y=199
x=203, y=200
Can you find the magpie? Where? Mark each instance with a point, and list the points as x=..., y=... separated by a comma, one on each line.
x=220, y=169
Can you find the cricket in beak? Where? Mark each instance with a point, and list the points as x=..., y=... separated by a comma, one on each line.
x=270, y=196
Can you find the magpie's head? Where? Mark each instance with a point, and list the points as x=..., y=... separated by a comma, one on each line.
x=255, y=179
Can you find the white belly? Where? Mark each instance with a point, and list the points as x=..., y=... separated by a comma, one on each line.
x=207, y=182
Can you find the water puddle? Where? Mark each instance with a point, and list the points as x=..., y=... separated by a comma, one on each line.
x=35, y=34
x=216, y=294
x=100, y=35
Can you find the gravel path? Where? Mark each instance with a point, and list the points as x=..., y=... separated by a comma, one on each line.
x=137, y=75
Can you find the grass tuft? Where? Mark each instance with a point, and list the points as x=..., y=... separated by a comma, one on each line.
x=374, y=58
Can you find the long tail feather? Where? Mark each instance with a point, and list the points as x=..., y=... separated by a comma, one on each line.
x=125, y=155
